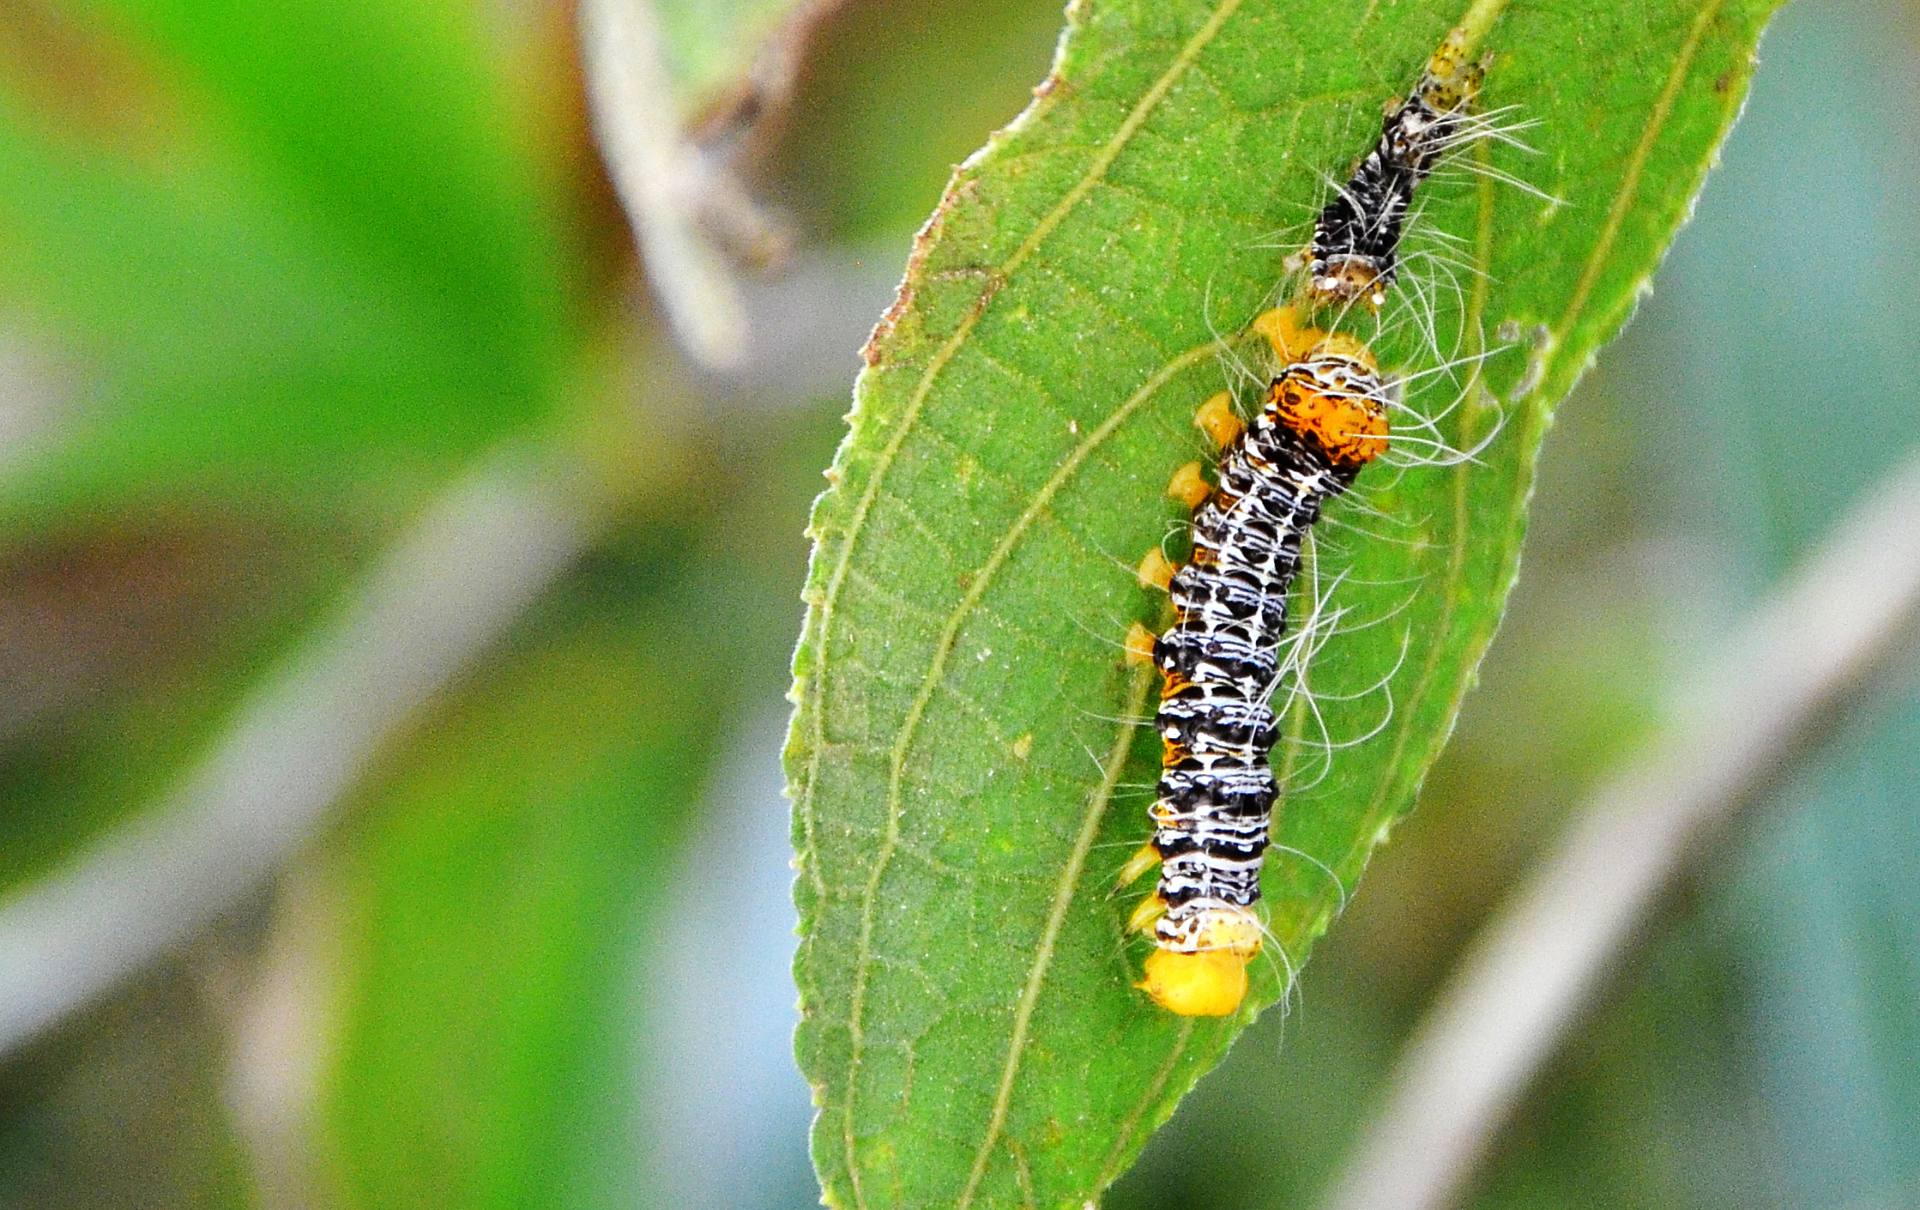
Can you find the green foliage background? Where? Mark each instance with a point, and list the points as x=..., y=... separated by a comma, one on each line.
x=273, y=276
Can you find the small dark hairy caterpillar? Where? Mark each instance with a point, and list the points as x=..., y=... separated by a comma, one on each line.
x=1323, y=419
x=1356, y=239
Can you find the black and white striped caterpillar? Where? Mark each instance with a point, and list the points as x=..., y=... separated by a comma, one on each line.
x=1324, y=418
x=1356, y=239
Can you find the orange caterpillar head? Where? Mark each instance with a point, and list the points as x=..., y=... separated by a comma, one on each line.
x=1209, y=979
x=1335, y=400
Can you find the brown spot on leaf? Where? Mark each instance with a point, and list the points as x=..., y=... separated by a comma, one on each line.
x=1054, y=82
x=916, y=263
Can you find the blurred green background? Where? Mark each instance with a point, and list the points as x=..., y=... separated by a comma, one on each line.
x=279, y=281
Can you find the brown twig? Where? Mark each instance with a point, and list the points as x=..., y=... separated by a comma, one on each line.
x=439, y=599
x=659, y=176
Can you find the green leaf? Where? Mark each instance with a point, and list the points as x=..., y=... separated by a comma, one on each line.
x=284, y=238
x=402, y=128
x=490, y=898
x=963, y=793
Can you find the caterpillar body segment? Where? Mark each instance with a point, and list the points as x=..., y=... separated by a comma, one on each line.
x=1354, y=254
x=1207, y=982
x=1323, y=419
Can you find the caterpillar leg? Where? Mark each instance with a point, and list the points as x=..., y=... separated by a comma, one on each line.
x=1155, y=571
x=1189, y=486
x=1143, y=859
x=1146, y=914
x=1217, y=420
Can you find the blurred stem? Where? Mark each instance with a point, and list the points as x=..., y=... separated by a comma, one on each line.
x=659, y=176
x=442, y=595
x=34, y=398
x=1822, y=641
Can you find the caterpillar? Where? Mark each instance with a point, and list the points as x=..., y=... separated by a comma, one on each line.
x=1356, y=238
x=1323, y=419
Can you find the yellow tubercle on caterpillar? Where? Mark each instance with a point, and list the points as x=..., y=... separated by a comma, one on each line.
x=1207, y=984
x=1346, y=346
x=1173, y=752
x=1139, y=644
x=1217, y=420
x=1189, y=486
x=1155, y=571
x=1143, y=859
x=1290, y=339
